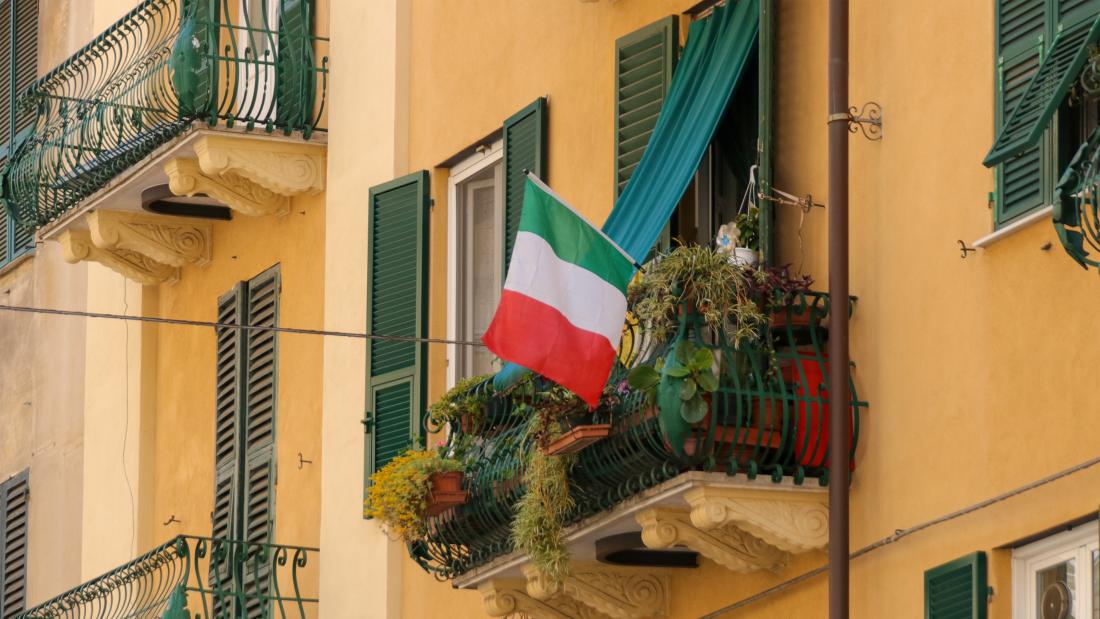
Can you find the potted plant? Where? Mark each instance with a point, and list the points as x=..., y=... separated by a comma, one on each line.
x=415, y=484
x=782, y=297
x=739, y=239
x=464, y=403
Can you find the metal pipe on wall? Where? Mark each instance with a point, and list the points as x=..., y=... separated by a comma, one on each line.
x=838, y=314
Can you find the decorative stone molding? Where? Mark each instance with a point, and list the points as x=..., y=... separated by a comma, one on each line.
x=620, y=593
x=77, y=246
x=286, y=168
x=503, y=598
x=728, y=546
x=795, y=521
x=186, y=178
x=174, y=241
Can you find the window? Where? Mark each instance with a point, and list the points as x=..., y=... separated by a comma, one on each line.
x=246, y=398
x=1041, y=47
x=14, y=504
x=15, y=240
x=476, y=199
x=1058, y=577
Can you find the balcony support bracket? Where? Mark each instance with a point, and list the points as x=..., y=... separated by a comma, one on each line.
x=284, y=168
x=508, y=597
x=77, y=246
x=621, y=593
x=186, y=178
x=795, y=521
x=175, y=241
x=727, y=545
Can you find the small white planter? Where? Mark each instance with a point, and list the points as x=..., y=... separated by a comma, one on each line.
x=743, y=256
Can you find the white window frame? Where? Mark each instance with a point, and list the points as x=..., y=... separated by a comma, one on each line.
x=256, y=87
x=1077, y=543
x=460, y=173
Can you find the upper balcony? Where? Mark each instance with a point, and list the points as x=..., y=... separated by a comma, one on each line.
x=181, y=112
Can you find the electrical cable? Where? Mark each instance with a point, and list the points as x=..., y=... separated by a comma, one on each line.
x=222, y=325
x=126, y=420
x=900, y=534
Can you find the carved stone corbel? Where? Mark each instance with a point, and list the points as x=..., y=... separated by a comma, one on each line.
x=509, y=597
x=186, y=178
x=796, y=520
x=287, y=168
x=174, y=241
x=77, y=246
x=621, y=593
x=728, y=546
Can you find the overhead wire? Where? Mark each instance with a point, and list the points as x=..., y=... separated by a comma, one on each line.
x=222, y=325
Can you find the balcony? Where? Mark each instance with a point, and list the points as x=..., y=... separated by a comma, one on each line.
x=196, y=576
x=219, y=103
x=744, y=486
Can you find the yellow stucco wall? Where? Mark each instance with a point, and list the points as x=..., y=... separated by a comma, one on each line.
x=976, y=370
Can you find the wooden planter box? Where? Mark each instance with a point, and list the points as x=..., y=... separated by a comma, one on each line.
x=578, y=438
x=445, y=493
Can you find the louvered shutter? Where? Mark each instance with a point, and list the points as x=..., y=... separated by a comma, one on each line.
x=1029, y=117
x=957, y=590
x=1071, y=12
x=26, y=56
x=6, y=224
x=644, y=62
x=397, y=285
x=22, y=240
x=14, y=505
x=524, y=149
x=258, y=482
x=227, y=453
x=294, y=79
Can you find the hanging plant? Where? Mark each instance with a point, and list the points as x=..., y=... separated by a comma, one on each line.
x=699, y=279
x=537, y=528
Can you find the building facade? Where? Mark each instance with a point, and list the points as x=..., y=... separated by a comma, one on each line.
x=250, y=173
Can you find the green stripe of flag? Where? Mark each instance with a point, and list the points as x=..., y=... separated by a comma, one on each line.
x=572, y=238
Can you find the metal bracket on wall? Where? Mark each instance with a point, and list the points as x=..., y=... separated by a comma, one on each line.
x=868, y=120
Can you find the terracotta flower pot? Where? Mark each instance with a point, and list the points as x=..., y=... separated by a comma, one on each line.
x=446, y=492
x=578, y=438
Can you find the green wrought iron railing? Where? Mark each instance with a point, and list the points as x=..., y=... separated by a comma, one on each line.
x=165, y=65
x=196, y=578
x=1077, y=204
x=768, y=420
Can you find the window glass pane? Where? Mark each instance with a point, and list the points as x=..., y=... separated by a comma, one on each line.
x=1054, y=588
x=483, y=289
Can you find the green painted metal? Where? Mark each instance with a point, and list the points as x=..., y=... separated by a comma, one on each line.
x=525, y=147
x=172, y=578
x=147, y=79
x=765, y=126
x=760, y=426
x=1076, y=208
x=397, y=287
x=1030, y=117
x=958, y=589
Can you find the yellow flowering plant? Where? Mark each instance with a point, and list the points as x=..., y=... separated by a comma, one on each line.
x=398, y=493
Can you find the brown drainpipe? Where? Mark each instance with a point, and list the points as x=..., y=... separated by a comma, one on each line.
x=838, y=314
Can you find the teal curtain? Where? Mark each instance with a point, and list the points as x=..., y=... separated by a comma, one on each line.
x=705, y=78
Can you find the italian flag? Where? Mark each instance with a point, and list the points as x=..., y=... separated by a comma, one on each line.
x=563, y=306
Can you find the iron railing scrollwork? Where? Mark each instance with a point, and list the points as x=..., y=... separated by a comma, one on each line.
x=145, y=80
x=172, y=581
x=767, y=420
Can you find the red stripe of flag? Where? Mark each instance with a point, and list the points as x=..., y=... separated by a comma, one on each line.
x=540, y=338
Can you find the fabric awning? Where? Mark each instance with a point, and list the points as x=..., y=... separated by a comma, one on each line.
x=708, y=72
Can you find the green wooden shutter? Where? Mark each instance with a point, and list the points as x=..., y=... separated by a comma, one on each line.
x=644, y=62
x=957, y=590
x=26, y=57
x=14, y=506
x=294, y=78
x=1071, y=12
x=397, y=304
x=227, y=449
x=1019, y=179
x=261, y=388
x=1030, y=117
x=524, y=149
x=766, y=78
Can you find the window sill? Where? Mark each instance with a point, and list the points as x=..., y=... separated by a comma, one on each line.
x=1014, y=227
